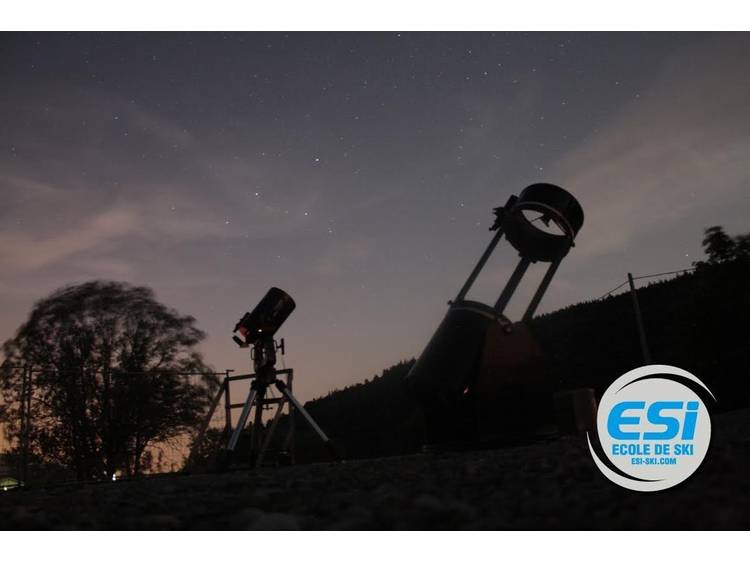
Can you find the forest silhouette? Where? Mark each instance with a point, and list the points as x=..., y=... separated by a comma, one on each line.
x=696, y=321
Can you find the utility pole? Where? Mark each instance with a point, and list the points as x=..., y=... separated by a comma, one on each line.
x=639, y=322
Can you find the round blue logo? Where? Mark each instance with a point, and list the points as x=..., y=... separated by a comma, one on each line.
x=653, y=428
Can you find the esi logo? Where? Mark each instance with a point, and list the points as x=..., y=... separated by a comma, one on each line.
x=653, y=428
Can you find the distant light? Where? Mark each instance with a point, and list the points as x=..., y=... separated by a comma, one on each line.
x=9, y=483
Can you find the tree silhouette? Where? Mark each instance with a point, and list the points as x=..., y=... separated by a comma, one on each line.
x=718, y=245
x=103, y=357
x=742, y=246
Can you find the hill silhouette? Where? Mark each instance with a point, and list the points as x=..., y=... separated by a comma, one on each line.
x=697, y=321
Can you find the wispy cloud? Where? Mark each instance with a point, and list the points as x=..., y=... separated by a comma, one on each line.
x=677, y=148
x=92, y=206
x=25, y=251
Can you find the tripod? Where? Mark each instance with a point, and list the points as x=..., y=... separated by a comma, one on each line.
x=263, y=354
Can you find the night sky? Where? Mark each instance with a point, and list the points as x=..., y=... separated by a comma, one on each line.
x=355, y=171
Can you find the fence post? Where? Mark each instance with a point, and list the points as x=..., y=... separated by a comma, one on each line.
x=639, y=322
x=227, y=405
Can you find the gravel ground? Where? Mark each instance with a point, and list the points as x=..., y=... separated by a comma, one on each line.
x=542, y=486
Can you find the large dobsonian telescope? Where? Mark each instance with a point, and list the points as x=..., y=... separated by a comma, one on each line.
x=481, y=375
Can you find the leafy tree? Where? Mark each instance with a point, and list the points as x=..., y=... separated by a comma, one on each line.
x=104, y=358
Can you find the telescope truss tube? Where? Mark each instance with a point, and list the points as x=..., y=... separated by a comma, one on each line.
x=533, y=244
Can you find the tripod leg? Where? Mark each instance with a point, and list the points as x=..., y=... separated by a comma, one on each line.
x=257, y=429
x=285, y=391
x=269, y=434
x=288, y=443
x=243, y=419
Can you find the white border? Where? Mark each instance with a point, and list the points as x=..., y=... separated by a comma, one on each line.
x=374, y=547
x=337, y=15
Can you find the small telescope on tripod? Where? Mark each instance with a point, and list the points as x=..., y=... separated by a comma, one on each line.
x=256, y=329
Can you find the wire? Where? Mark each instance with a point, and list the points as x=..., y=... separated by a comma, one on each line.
x=612, y=291
x=608, y=293
x=665, y=273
